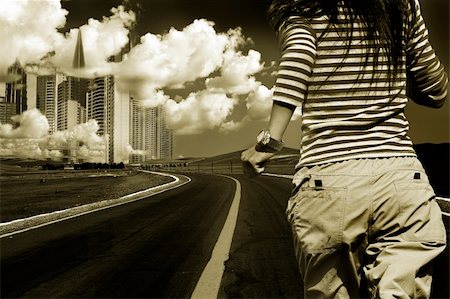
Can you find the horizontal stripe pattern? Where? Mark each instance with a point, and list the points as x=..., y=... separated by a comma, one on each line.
x=349, y=109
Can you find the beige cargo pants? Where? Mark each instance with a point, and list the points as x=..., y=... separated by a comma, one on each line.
x=365, y=228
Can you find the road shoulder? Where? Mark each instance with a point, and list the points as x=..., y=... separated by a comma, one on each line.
x=16, y=226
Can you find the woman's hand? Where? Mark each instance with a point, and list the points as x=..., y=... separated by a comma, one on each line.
x=256, y=159
x=280, y=116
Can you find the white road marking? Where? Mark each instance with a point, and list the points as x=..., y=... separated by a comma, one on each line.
x=60, y=215
x=443, y=198
x=284, y=176
x=209, y=283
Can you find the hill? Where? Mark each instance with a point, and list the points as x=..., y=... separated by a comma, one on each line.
x=436, y=161
x=282, y=163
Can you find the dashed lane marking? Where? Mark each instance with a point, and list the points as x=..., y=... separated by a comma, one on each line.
x=209, y=283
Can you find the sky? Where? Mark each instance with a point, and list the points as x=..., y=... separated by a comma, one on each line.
x=213, y=71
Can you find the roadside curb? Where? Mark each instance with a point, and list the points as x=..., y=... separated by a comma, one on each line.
x=20, y=225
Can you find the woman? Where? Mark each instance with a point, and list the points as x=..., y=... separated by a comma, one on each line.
x=363, y=214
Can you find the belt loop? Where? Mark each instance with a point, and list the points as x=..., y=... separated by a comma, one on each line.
x=306, y=178
x=417, y=176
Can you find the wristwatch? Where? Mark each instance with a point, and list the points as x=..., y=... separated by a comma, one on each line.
x=266, y=144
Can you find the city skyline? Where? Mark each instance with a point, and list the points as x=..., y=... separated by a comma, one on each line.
x=209, y=113
x=66, y=103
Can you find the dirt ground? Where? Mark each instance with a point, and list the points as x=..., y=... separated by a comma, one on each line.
x=26, y=191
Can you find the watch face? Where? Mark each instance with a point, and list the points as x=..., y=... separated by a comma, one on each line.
x=263, y=137
x=260, y=136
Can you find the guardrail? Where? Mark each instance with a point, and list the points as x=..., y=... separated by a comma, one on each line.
x=444, y=203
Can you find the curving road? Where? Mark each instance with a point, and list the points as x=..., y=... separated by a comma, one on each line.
x=158, y=247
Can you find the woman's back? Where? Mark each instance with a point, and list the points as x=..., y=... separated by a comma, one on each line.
x=353, y=107
x=361, y=227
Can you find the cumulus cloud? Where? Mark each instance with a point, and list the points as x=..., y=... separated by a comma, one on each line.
x=31, y=124
x=27, y=148
x=196, y=55
x=173, y=59
x=30, y=139
x=236, y=73
x=29, y=35
x=101, y=40
x=199, y=112
x=28, y=31
x=197, y=52
x=259, y=103
x=83, y=140
x=85, y=133
x=131, y=151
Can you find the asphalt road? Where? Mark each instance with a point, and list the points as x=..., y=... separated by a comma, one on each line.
x=152, y=248
x=262, y=262
x=158, y=247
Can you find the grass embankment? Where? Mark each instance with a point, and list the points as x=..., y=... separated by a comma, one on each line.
x=26, y=193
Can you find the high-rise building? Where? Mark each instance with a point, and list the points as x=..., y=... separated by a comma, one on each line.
x=16, y=91
x=46, y=98
x=31, y=90
x=165, y=136
x=110, y=108
x=143, y=132
x=78, y=57
x=82, y=116
x=6, y=111
x=149, y=135
x=122, y=121
x=71, y=93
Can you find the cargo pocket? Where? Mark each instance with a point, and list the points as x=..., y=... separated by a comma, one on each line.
x=316, y=216
x=420, y=214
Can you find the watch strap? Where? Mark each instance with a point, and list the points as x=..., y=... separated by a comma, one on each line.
x=273, y=146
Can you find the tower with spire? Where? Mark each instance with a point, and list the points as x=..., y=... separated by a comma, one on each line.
x=71, y=93
x=78, y=57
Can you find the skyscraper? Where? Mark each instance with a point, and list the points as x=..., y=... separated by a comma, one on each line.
x=143, y=132
x=78, y=57
x=165, y=136
x=97, y=103
x=110, y=108
x=149, y=135
x=6, y=111
x=71, y=93
x=16, y=91
x=122, y=121
x=46, y=98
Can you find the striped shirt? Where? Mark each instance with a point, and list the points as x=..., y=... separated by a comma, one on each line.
x=347, y=112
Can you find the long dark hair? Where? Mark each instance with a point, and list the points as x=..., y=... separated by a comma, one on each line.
x=383, y=21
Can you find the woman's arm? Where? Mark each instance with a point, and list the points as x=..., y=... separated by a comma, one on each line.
x=279, y=120
x=427, y=79
x=298, y=44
